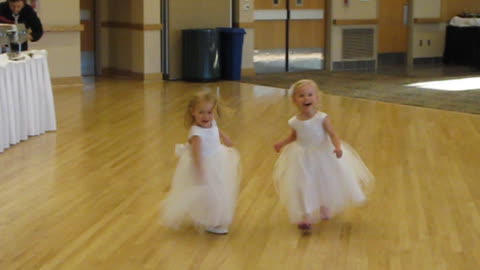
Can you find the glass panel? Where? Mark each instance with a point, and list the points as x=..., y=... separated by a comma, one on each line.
x=306, y=35
x=301, y=59
x=269, y=60
x=270, y=46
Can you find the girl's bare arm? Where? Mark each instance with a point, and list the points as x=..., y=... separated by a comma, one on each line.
x=292, y=137
x=327, y=125
x=225, y=139
x=196, y=143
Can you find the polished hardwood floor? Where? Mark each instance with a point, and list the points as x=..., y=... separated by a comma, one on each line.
x=87, y=196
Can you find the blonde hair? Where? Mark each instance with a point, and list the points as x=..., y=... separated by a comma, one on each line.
x=202, y=96
x=296, y=85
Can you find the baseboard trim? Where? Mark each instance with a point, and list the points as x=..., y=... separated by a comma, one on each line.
x=77, y=80
x=122, y=73
x=399, y=58
x=114, y=72
x=354, y=65
x=153, y=77
x=427, y=60
x=248, y=72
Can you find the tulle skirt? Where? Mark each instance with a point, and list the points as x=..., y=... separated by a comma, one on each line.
x=308, y=178
x=207, y=202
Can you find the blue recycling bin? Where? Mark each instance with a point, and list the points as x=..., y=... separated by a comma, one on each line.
x=231, y=45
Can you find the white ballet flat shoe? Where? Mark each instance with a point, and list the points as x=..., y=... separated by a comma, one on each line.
x=217, y=230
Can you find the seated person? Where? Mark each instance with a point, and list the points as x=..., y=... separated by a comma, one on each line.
x=17, y=11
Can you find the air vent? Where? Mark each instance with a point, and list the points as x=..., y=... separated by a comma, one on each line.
x=358, y=43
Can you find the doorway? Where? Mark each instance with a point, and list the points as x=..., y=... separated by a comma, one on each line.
x=87, y=19
x=289, y=35
x=393, y=32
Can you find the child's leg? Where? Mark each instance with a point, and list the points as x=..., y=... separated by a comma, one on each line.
x=324, y=213
x=307, y=212
x=306, y=223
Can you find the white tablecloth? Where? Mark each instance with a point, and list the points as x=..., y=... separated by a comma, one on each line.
x=464, y=22
x=26, y=99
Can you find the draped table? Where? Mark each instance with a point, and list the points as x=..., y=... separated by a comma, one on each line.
x=26, y=98
x=462, y=42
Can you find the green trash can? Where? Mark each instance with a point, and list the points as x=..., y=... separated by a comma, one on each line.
x=200, y=55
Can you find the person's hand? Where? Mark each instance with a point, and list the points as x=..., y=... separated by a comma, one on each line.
x=29, y=37
x=225, y=139
x=278, y=147
x=338, y=152
x=227, y=142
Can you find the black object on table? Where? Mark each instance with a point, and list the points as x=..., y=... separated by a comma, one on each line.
x=462, y=46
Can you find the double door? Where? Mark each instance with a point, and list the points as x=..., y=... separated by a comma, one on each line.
x=393, y=31
x=177, y=15
x=87, y=18
x=289, y=35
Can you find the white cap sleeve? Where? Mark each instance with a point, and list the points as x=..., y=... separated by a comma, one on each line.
x=195, y=131
x=322, y=116
x=292, y=121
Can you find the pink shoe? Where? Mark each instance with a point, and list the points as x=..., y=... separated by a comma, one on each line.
x=305, y=227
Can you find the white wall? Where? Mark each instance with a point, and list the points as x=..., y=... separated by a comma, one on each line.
x=356, y=9
x=63, y=47
x=432, y=36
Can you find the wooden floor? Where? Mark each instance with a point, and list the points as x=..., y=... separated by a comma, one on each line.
x=86, y=197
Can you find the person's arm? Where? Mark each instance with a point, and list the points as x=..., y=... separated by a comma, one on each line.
x=225, y=139
x=196, y=143
x=35, y=25
x=5, y=13
x=327, y=125
x=292, y=137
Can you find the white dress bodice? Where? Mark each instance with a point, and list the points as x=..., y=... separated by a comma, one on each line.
x=311, y=131
x=210, y=138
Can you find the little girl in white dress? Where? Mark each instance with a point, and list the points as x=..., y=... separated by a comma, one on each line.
x=316, y=175
x=205, y=184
